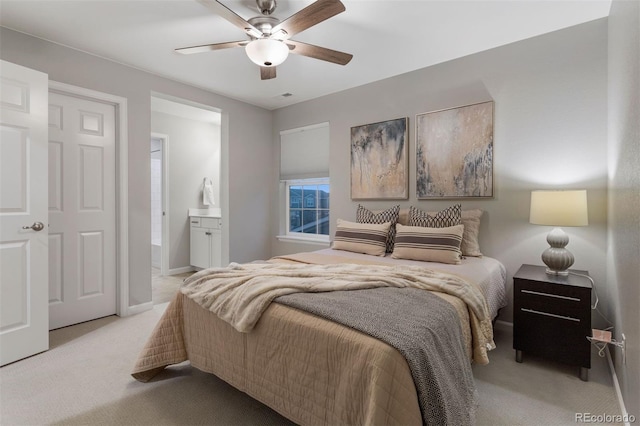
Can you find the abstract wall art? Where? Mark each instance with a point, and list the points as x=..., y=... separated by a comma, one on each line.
x=454, y=152
x=379, y=160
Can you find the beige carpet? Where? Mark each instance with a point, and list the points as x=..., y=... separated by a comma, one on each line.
x=163, y=288
x=84, y=380
x=539, y=392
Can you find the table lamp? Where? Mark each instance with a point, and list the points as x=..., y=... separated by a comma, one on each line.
x=558, y=208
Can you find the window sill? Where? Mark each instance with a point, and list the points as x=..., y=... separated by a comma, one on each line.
x=296, y=239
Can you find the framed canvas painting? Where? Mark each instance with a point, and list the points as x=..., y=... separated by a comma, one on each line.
x=454, y=152
x=379, y=160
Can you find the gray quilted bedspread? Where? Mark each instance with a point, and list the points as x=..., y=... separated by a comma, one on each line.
x=424, y=328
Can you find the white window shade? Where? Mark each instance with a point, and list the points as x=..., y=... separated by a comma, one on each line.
x=304, y=152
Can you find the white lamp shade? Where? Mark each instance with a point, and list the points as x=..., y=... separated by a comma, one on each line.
x=559, y=208
x=267, y=52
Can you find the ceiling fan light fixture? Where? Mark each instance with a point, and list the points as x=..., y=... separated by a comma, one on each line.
x=267, y=52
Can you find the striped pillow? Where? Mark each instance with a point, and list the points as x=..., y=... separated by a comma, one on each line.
x=429, y=244
x=450, y=216
x=367, y=238
x=471, y=221
x=391, y=214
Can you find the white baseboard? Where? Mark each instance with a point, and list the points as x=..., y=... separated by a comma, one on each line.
x=136, y=309
x=176, y=271
x=616, y=386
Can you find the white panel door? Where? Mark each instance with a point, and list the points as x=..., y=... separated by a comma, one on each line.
x=24, y=318
x=82, y=210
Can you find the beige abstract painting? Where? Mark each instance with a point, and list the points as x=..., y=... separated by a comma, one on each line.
x=454, y=152
x=379, y=160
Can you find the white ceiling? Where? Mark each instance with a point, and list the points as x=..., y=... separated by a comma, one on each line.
x=386, y=37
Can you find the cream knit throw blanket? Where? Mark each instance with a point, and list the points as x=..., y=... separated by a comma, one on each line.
x=240, y=293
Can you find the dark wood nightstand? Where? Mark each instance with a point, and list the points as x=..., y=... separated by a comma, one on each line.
x=552, y=316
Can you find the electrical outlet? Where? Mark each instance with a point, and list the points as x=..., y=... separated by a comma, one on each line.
x=601, y=335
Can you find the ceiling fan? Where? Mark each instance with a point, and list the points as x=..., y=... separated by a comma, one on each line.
x=270, y=43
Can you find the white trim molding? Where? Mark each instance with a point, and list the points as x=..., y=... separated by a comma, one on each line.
x=616, y=386
x=303, y=240
x=165, y=247
x=137, y=309
x=183, y=270
x=311, y=238
x=122, y=185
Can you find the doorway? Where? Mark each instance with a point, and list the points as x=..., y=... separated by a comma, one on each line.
x=159, y=198
x=185, y=149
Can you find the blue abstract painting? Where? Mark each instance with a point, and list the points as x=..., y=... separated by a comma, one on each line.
x=379, y=160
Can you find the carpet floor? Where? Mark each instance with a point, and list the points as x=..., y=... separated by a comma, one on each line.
x=164, y=287
x=84, y=380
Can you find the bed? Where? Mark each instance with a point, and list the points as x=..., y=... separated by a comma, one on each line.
x=313, y=369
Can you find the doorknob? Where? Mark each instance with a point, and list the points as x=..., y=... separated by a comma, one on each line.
x=37, y=226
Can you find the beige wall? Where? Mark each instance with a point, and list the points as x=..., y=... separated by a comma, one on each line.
x=624, y=192
x=550, y=96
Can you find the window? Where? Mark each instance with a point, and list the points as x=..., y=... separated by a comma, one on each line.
x=304, y=167
x=307, y=209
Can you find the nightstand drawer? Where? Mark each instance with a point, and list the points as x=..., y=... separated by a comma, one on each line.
x=555, y=291
x=553, y=299
x=545, y=313
x=561, y=339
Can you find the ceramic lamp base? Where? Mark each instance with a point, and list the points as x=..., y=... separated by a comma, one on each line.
x=557, y=258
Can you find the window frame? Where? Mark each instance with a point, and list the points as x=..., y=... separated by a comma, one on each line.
x=302, y=236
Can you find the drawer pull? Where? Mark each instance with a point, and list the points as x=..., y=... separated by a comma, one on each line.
x=575, y=299
x=531, y=311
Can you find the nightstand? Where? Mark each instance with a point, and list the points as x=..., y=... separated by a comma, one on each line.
x=552, y=316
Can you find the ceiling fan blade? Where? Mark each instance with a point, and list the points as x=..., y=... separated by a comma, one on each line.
x=318, y=52
x=309, y=16
x=209, y=47
x=231, y=16
x=267, y=73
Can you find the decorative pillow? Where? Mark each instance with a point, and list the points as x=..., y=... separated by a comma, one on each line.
x=429, y=244
x=403, y=217
x=367, y=238
x=364, y=215
x=450, y=216
x=471, y=222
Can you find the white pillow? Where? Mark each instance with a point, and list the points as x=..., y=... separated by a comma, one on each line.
x=471, y=221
